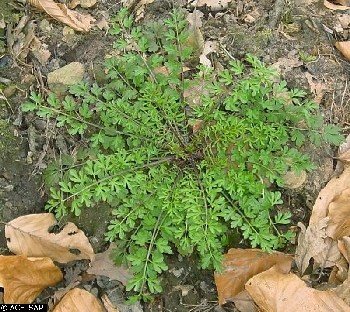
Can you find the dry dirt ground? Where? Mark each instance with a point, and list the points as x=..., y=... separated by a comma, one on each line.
x=297, y=37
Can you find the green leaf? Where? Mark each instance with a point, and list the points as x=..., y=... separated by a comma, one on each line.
x=283, y=218
x=163, y=246
x=28, y=107
x=298, y=137
x=331, y=135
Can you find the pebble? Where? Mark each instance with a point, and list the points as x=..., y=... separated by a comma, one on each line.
x=60, y=79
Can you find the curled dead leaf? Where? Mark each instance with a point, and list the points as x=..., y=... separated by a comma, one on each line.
x=341, y=5
x=240, y=265
x=61, y=13
x=78, y=300
x=310, y=243
x=339, y=213
x=344, y=48
x=104, y=265
x=344, y=152
x=23, y=279
x=30, y=235
x=332, y=190
x=275, y=291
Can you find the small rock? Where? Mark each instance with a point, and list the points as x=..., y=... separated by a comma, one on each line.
x=292, y=180
x=60, y=79
x=45, y=26
x=9, y=188
x=40, y=124
x=10, y=91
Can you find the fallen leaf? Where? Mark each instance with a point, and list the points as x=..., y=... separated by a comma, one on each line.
x=61, y=13
x=344, y=48
x=20, y=38
x=317, y=88
x=332, y=6
x=244, y=302
x=29, y=235
x=209, y=47
x=104, y=265
x=78, y=300
x=240, y=265
x=109, y=306
x=344, y=247
x=286, y=64
x=23, y=279
x=195, y=18
x=274, y=291
x=343, y=290
x=339, y=272
x=311, y=242
x=40, y=51
x=344, y=152
x=139, y=7
x=332, y=190
x=339, y=213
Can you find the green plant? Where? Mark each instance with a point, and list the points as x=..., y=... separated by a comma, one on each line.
x=182, y=156
x=305, y=57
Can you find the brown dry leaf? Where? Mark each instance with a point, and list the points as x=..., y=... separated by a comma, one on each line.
x=209, y=47
x=344, y=248
x=311, y=242
x=20, y=38
x=240, y=265
x=316, y=238
x=61, y=13
x=29, y=235
x=24, y=279
x=344, y=152
x=342, y=5
x=344, y=48
x=331, y=191
x=339, y=272
x=139, y=7
x=78, y=300
x=316, y=87
x=344, y=157
x=275, y=291
x=343, y=290
x=109, y=306
x=40, y=51
x=339, y=213
x=195, y=18
x=195, y=92
x=244, y=302
x=104, y=265
x=286, y=64
x=82, y=3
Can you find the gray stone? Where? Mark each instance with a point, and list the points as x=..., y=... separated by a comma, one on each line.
x=60, y=79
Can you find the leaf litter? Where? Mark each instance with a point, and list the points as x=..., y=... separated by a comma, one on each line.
x=24, y=277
